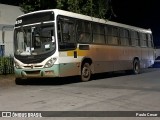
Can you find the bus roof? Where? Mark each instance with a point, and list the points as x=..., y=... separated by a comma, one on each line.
x=90, y=18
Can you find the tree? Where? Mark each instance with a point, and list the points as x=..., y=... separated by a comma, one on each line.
x=34, y=5
x=74, y=5
x=95, y=8
x=28, y=6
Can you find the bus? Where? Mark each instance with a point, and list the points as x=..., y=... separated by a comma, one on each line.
x=58, y=43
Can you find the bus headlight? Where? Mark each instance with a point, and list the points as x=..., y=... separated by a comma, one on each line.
x=50, y=63
x=17, y=65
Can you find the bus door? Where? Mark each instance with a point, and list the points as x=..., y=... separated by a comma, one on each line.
x=67, y=47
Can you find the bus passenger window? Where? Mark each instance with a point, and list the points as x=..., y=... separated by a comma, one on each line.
x=133, y=38
x=150, y=43
x=112, y=34
x=124, y=37
x=98, y=33
x=82, y=37
x=143, y=39
x=137, y=39
x=65, y=32
x=68, y=32
x=83, y=32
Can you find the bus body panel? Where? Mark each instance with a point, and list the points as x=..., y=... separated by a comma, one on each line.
x=105, y=57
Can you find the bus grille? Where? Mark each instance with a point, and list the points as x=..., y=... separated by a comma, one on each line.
x=31, y=67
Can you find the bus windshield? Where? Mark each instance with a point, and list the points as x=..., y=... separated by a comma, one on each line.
x=34, y=40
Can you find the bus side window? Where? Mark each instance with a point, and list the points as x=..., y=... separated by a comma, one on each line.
x=66, y=33
x=112, y=35
x=108, y=34
x=143, y=39
x=83, y=31
x=98, y=33
x=135, y=38
x=124, y=37
x=150, y=43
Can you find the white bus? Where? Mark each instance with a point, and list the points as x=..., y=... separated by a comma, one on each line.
x=57, y=43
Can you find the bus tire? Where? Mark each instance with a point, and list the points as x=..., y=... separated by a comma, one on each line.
x=18, y=81
x=85, y=72
x=136, y=66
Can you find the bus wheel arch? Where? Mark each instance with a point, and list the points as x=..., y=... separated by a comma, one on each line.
x=86, y=70
x=136, y=65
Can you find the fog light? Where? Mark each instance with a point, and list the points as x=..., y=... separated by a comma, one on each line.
x=49, y=72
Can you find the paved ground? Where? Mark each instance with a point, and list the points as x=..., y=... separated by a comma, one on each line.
x=7, y=80
x=107, y=92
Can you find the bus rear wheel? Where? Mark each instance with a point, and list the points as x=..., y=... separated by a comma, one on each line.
x=136, y=66
x=85, y=72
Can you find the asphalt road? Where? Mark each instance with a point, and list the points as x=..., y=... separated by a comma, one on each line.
x=106, y=92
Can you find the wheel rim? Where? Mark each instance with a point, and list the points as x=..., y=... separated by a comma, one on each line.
x=86, y=72
x=136, y=68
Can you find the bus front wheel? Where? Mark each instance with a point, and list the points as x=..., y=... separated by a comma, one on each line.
x=85, y=72
x=136, y=66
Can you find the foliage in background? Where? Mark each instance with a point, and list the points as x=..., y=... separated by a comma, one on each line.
x=95, y=8
x=34, y=5
x=6, y=65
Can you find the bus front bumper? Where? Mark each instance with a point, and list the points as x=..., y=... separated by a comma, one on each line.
x=37, y=73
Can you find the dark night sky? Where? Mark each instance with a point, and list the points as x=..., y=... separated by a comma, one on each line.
x=140, y=13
